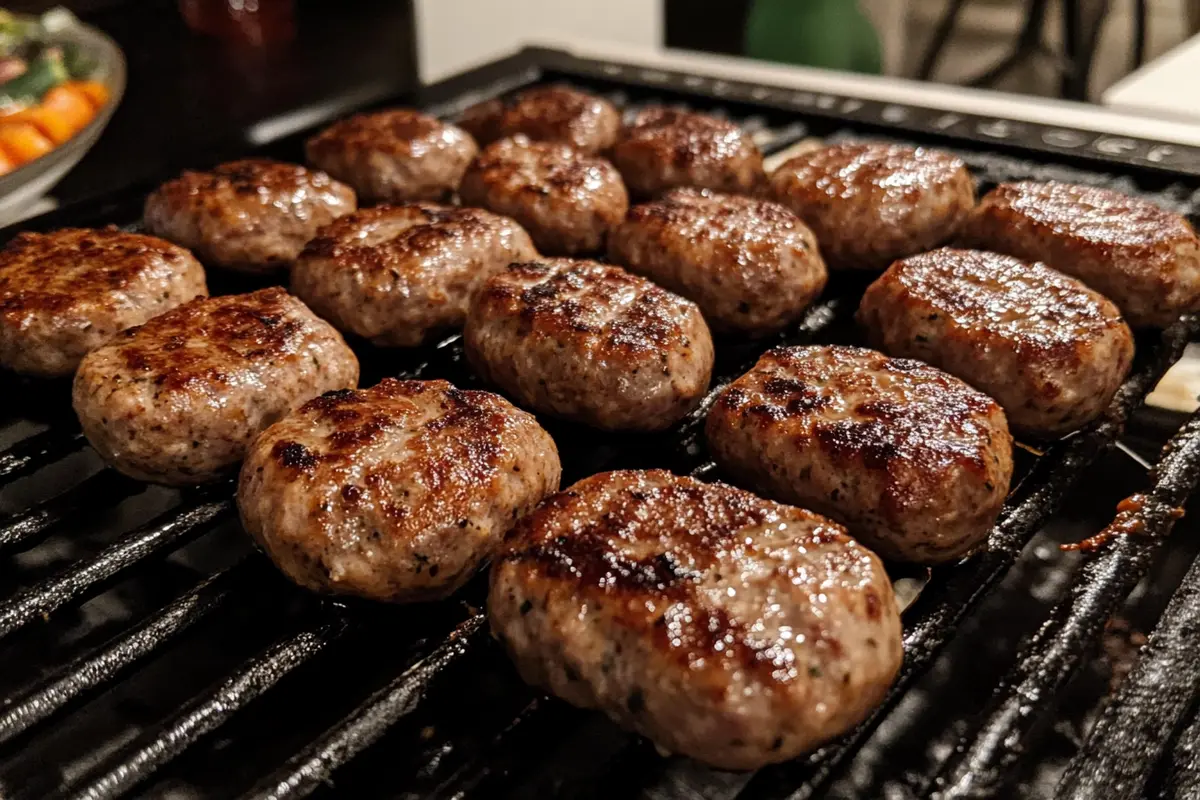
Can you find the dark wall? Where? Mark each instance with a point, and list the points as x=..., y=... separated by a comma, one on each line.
x=714, y=26
x=189, y=94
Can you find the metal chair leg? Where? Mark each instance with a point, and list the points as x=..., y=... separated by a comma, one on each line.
x=937, y=45
x=1029, y=41
x=1079, y=47
x=1072, y=43
x=1141, y=15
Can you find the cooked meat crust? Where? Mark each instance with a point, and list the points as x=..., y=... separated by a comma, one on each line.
x=548, y=114
x=1142, y=257
x=253, y=215
x=396, y=493
x=179, y=399
x=590, y=342
x=65, y=293
x=666, y=148
x=1051, y=351
x=751, y=265
x=724, y=627
x=915, y=462
x=395, y=156
x=567, y=200
x=871, y=203
x=397, y=274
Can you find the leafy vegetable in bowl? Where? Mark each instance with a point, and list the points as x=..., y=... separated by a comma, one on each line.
x=47, y=88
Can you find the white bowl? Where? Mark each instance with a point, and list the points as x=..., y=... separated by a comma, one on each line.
x=22, y=187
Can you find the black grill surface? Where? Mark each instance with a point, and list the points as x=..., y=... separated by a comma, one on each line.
x=147, y=650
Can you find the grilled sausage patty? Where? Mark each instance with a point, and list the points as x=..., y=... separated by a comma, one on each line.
x=1051, y=351
x=396, y=493
x=871, y=203
x=65, y=293
x=724, y=627
x=915, y=462
x=590, y=342
x=751, y=265
x=252, y=215
x=666, y=148
x=179, y=399
x=396, y=156
x=567, y=200
x=1142, y=257
x=548, y=114
x=397, y=274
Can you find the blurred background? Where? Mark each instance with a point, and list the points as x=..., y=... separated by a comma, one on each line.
x=209, y=75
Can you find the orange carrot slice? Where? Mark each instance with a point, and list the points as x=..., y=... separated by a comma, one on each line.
x=70, y=106
x=95, y=91
x=22, y=141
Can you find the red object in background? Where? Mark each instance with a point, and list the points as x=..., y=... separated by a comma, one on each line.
x=254, y=22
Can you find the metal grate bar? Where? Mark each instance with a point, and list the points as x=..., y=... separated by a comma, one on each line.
x=363, y=726
x=134, y=763
x=123, y=651
x=982, y=762
x=540, y=716
x=1128, y=740
x=936, y=613
x=106, y=488
x=167, y=530
x=1184, y=780
x=37, y=451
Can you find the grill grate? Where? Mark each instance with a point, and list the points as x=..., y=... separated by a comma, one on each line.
x=139, y=642
x=368, y=722
x=33, y=453
x=983, y=760
x=170, y=530
x=23, y=529
x=314, y=646
x=933, y=619
x=1128, y=740
x=206, y=713
x=1185, y=775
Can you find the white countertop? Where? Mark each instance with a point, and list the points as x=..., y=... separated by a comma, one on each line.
x=1165, y=88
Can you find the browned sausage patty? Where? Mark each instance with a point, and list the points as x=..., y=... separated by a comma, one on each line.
x=590, y=342
x=397, y=274
x=666, y=148
x=1050, y=350
x=871, y=203
x=252, y=215
x=724, y=627
x=914, y=461
x=547, y=114
x=394, y=156
x=567, y=200
x=751, y=265
x=396, y=493
x=179, y=399
x=65, y=293
x=1142, y=257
